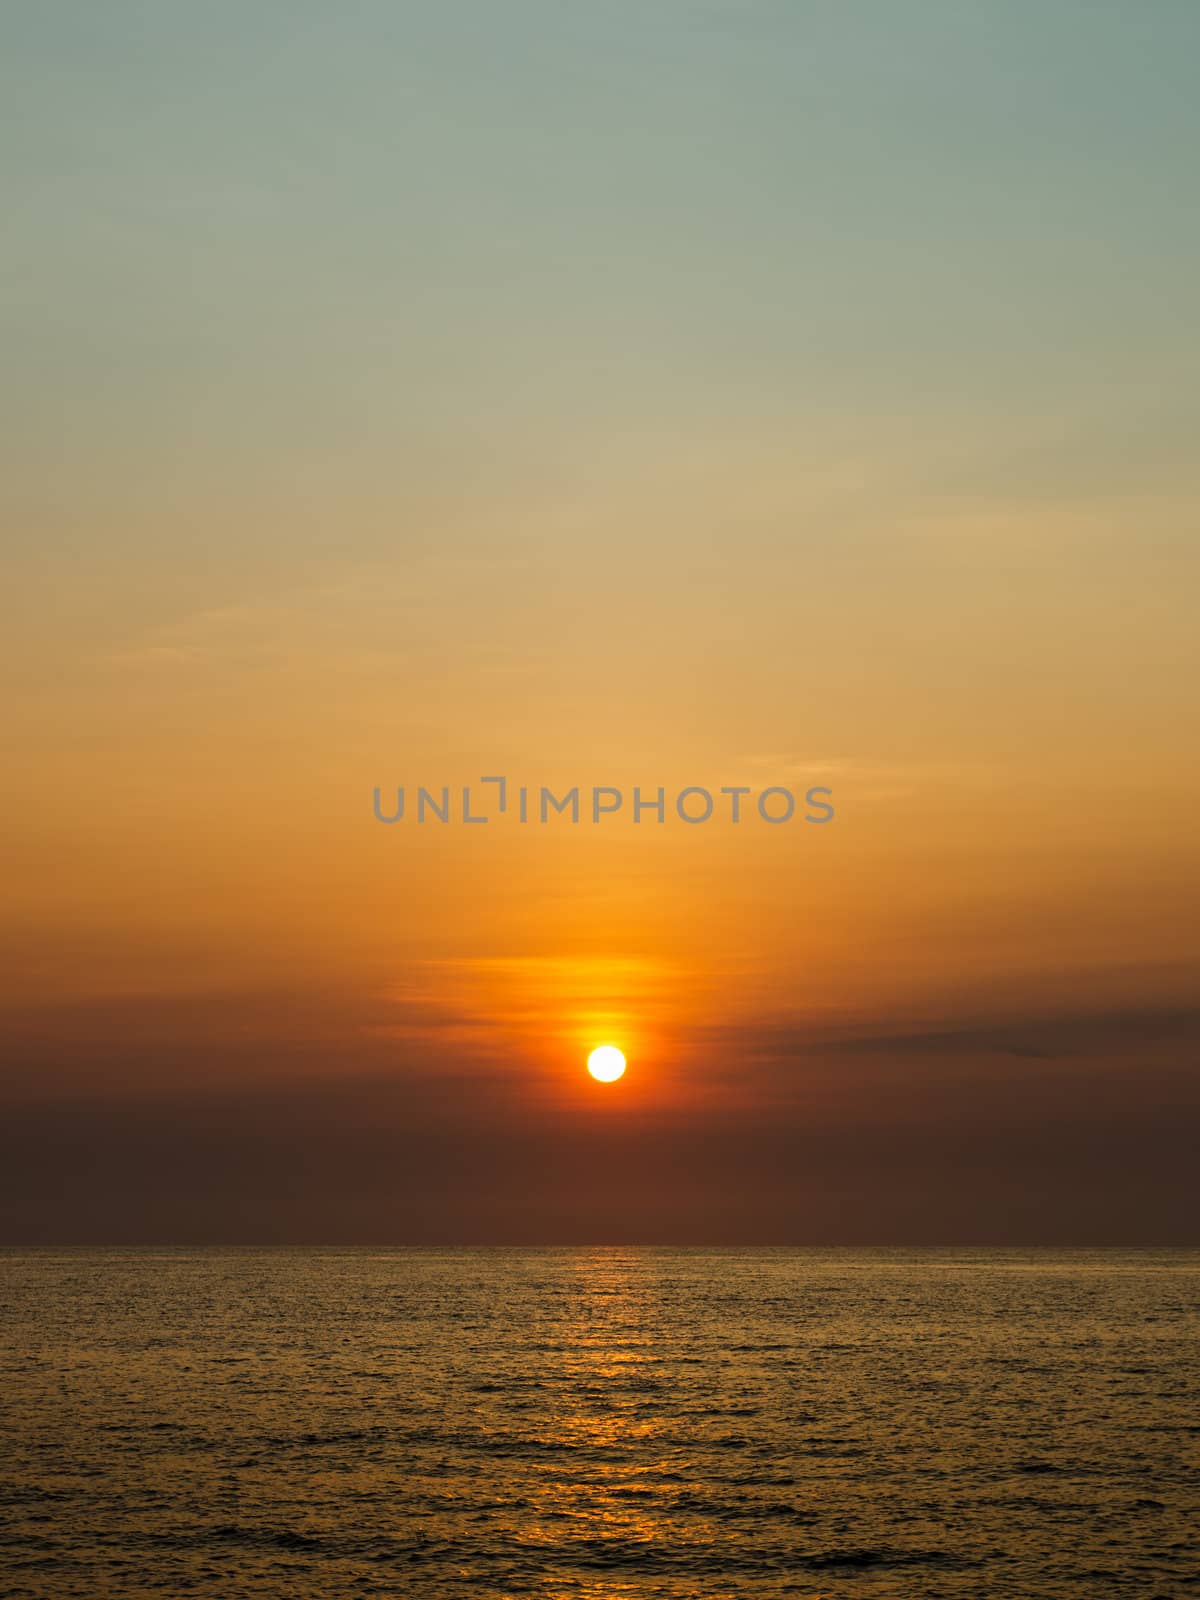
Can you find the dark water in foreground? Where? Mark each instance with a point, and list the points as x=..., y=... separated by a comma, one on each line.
x=598, y=1423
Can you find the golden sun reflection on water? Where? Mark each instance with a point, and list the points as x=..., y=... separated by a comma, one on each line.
x=615, y=1438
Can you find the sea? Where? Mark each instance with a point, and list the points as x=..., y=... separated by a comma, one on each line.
x=599, y=1424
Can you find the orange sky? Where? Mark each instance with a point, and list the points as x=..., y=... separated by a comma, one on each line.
x=549, y=406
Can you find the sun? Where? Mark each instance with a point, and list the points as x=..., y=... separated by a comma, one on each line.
x=606, y=1063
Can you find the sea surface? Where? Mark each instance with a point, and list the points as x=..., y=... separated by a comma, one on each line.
x=607, y=1424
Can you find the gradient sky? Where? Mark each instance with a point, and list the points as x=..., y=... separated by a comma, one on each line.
x=682, y=393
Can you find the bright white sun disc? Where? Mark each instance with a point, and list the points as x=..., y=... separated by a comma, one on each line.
x=606, y=1063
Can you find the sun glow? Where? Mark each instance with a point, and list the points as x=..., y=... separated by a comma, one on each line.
x=606, y=1063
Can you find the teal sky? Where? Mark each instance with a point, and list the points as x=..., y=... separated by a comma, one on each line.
x=380, y=231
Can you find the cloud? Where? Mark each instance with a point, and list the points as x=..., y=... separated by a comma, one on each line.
x=1045, y=1038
